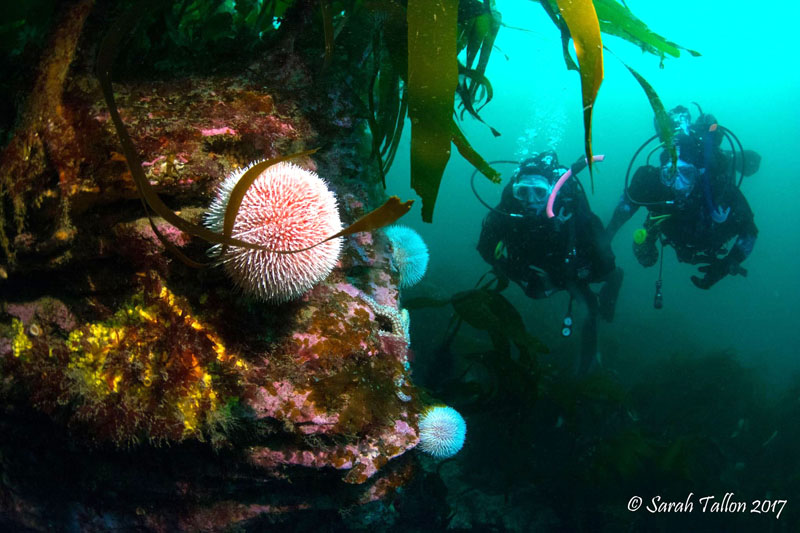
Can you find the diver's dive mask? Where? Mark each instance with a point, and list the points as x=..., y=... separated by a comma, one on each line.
x=681, y=120
x=532, y=191
x=681, y=179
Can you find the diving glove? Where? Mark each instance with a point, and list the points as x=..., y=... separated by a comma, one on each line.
x=713, y=272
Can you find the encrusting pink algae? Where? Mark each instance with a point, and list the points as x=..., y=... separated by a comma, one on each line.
x=132, y=363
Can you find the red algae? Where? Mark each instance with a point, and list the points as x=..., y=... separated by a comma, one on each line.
x=174, y=376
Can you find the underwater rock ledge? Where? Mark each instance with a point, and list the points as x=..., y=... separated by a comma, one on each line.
x=137, y=392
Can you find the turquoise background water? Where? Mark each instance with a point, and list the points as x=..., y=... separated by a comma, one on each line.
x=747, y=77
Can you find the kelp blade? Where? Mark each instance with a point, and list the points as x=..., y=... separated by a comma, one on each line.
x=549, y=7
x=478, y=30
x=384, y=215
x=495, y=21
x=469, y=153
x=663, y=124
x=468, y=94
x=388, y=213
x=244, y=183
x=105, y=59
x=432, y=80
x=584, y=27
x=616, y=19
x=492, y=312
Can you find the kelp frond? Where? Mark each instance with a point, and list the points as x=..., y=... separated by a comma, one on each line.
x=382, y=216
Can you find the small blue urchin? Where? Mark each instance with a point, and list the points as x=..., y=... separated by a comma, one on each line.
x=410, y=254
x=442, y=431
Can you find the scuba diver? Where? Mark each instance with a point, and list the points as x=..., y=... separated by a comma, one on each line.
x=543, y=252
x=695, y=206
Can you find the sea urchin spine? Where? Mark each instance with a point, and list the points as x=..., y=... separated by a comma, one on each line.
x=442, y=431
x=286, y=208
x=409, y=254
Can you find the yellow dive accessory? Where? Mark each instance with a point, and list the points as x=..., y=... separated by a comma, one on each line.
x=500, y=250
x=640, y=235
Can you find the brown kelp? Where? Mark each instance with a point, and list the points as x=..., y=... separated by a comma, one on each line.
x=690, y=422
x=370, y=37
x=153, y=352
x=616, y=19
x=583, y=21
x=663, y=124
x=432, y=80
x=584, y=27
x=486, y=309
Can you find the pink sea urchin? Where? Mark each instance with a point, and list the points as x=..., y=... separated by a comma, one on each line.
x=442, y=431
x=286, y=208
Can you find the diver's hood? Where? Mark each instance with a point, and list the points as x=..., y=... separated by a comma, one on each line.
x=752, y=162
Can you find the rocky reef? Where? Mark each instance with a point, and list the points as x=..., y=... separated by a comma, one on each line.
x=139, y=392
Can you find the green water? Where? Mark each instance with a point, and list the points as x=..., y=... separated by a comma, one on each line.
x=745, y=77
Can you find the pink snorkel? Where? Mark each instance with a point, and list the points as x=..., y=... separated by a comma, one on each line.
x=564, y=177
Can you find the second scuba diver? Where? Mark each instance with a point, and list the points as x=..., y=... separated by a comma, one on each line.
x=695, y=206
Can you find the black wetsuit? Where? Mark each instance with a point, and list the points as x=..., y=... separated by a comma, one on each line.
x=688, y=225
x=572, y=253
